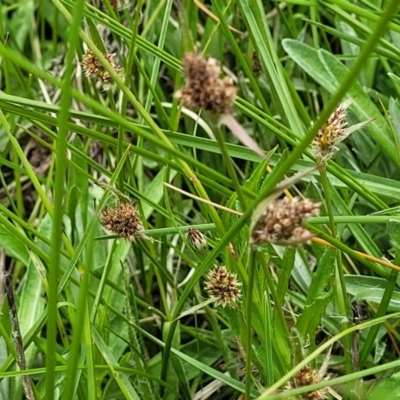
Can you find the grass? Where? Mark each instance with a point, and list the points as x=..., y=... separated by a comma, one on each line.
x=87, y=314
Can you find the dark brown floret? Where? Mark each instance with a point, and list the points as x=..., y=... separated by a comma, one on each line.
x=223, y=287
x=114, y=4
x=196, y=239
x=281, y=222
x=123, y=220
x=204, y=88
x=256, y=64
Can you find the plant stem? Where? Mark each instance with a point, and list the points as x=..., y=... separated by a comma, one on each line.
x=229, y=165
x=249, y=329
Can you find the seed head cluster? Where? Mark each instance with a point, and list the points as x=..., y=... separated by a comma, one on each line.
x=196, y=239
x=93, y=68
x=281, y=222
x=223, y=287
x=203, y=87
x=332, y=133
x=123, y=220
x=307, y=376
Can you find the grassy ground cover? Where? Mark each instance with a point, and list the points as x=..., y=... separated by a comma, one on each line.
x=199, y=200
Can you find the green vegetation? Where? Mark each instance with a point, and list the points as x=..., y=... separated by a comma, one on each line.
x=223, y=228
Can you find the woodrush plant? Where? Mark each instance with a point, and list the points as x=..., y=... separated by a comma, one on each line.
x=104, y=317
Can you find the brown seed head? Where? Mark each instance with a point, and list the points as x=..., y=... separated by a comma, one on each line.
x=307, y=376
x=123, y=220
x=281, y=222
x=204, y=88
x=93, y=68
x=114, y=4
x=196, y=239
x=223, y=287
x=232, y=250
x=256, y=64
x=332, y=133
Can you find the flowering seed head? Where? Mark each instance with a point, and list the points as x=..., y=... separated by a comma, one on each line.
x=204, y=88
x=114, y=4
x=223, y=287
x=196, y=239
x=93, y=68
x=307, y=376
x=123, y=220
x=232, y=250
x=281, y=222
x=332, y=133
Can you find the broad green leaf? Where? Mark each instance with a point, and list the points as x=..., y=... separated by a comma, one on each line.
x=229, y=381
x=394, y=112
x=45, y=229
x=20, y=25
x=13, y=246
x=371, y=289
x=329, y=73
x=394, y=77
x=5, y=382
x=286, y=271
x=321, y=278
x=94, y=32
x=375, y=296
x=358, y=282
x=30, y=306
x=54, y=18
x=78, y=177
x=317, y=297
x=31, y=301
x=301, y=271
x=154, y=190
x=385, y=388
x=360, y=234
x=393, y=229
x=254, y=16
x=122, y=379
x=310, y=317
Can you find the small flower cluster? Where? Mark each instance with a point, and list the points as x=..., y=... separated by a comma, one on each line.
x=307, y=376
x=204, y=88
x=123, y=220
x=331, y=134
x=93, y=68
x=196, y=239
x=281, y=222
x=334, y=131
x=223, y=287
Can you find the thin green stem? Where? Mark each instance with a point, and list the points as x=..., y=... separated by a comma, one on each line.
x=328, y=201
x=229, y=165
x=78, y=326
x=383, y=306
x=124, y=101
x=249, y=329
x=307, y=360
x=59, y=192
x=341, y=246
x=338, y=283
